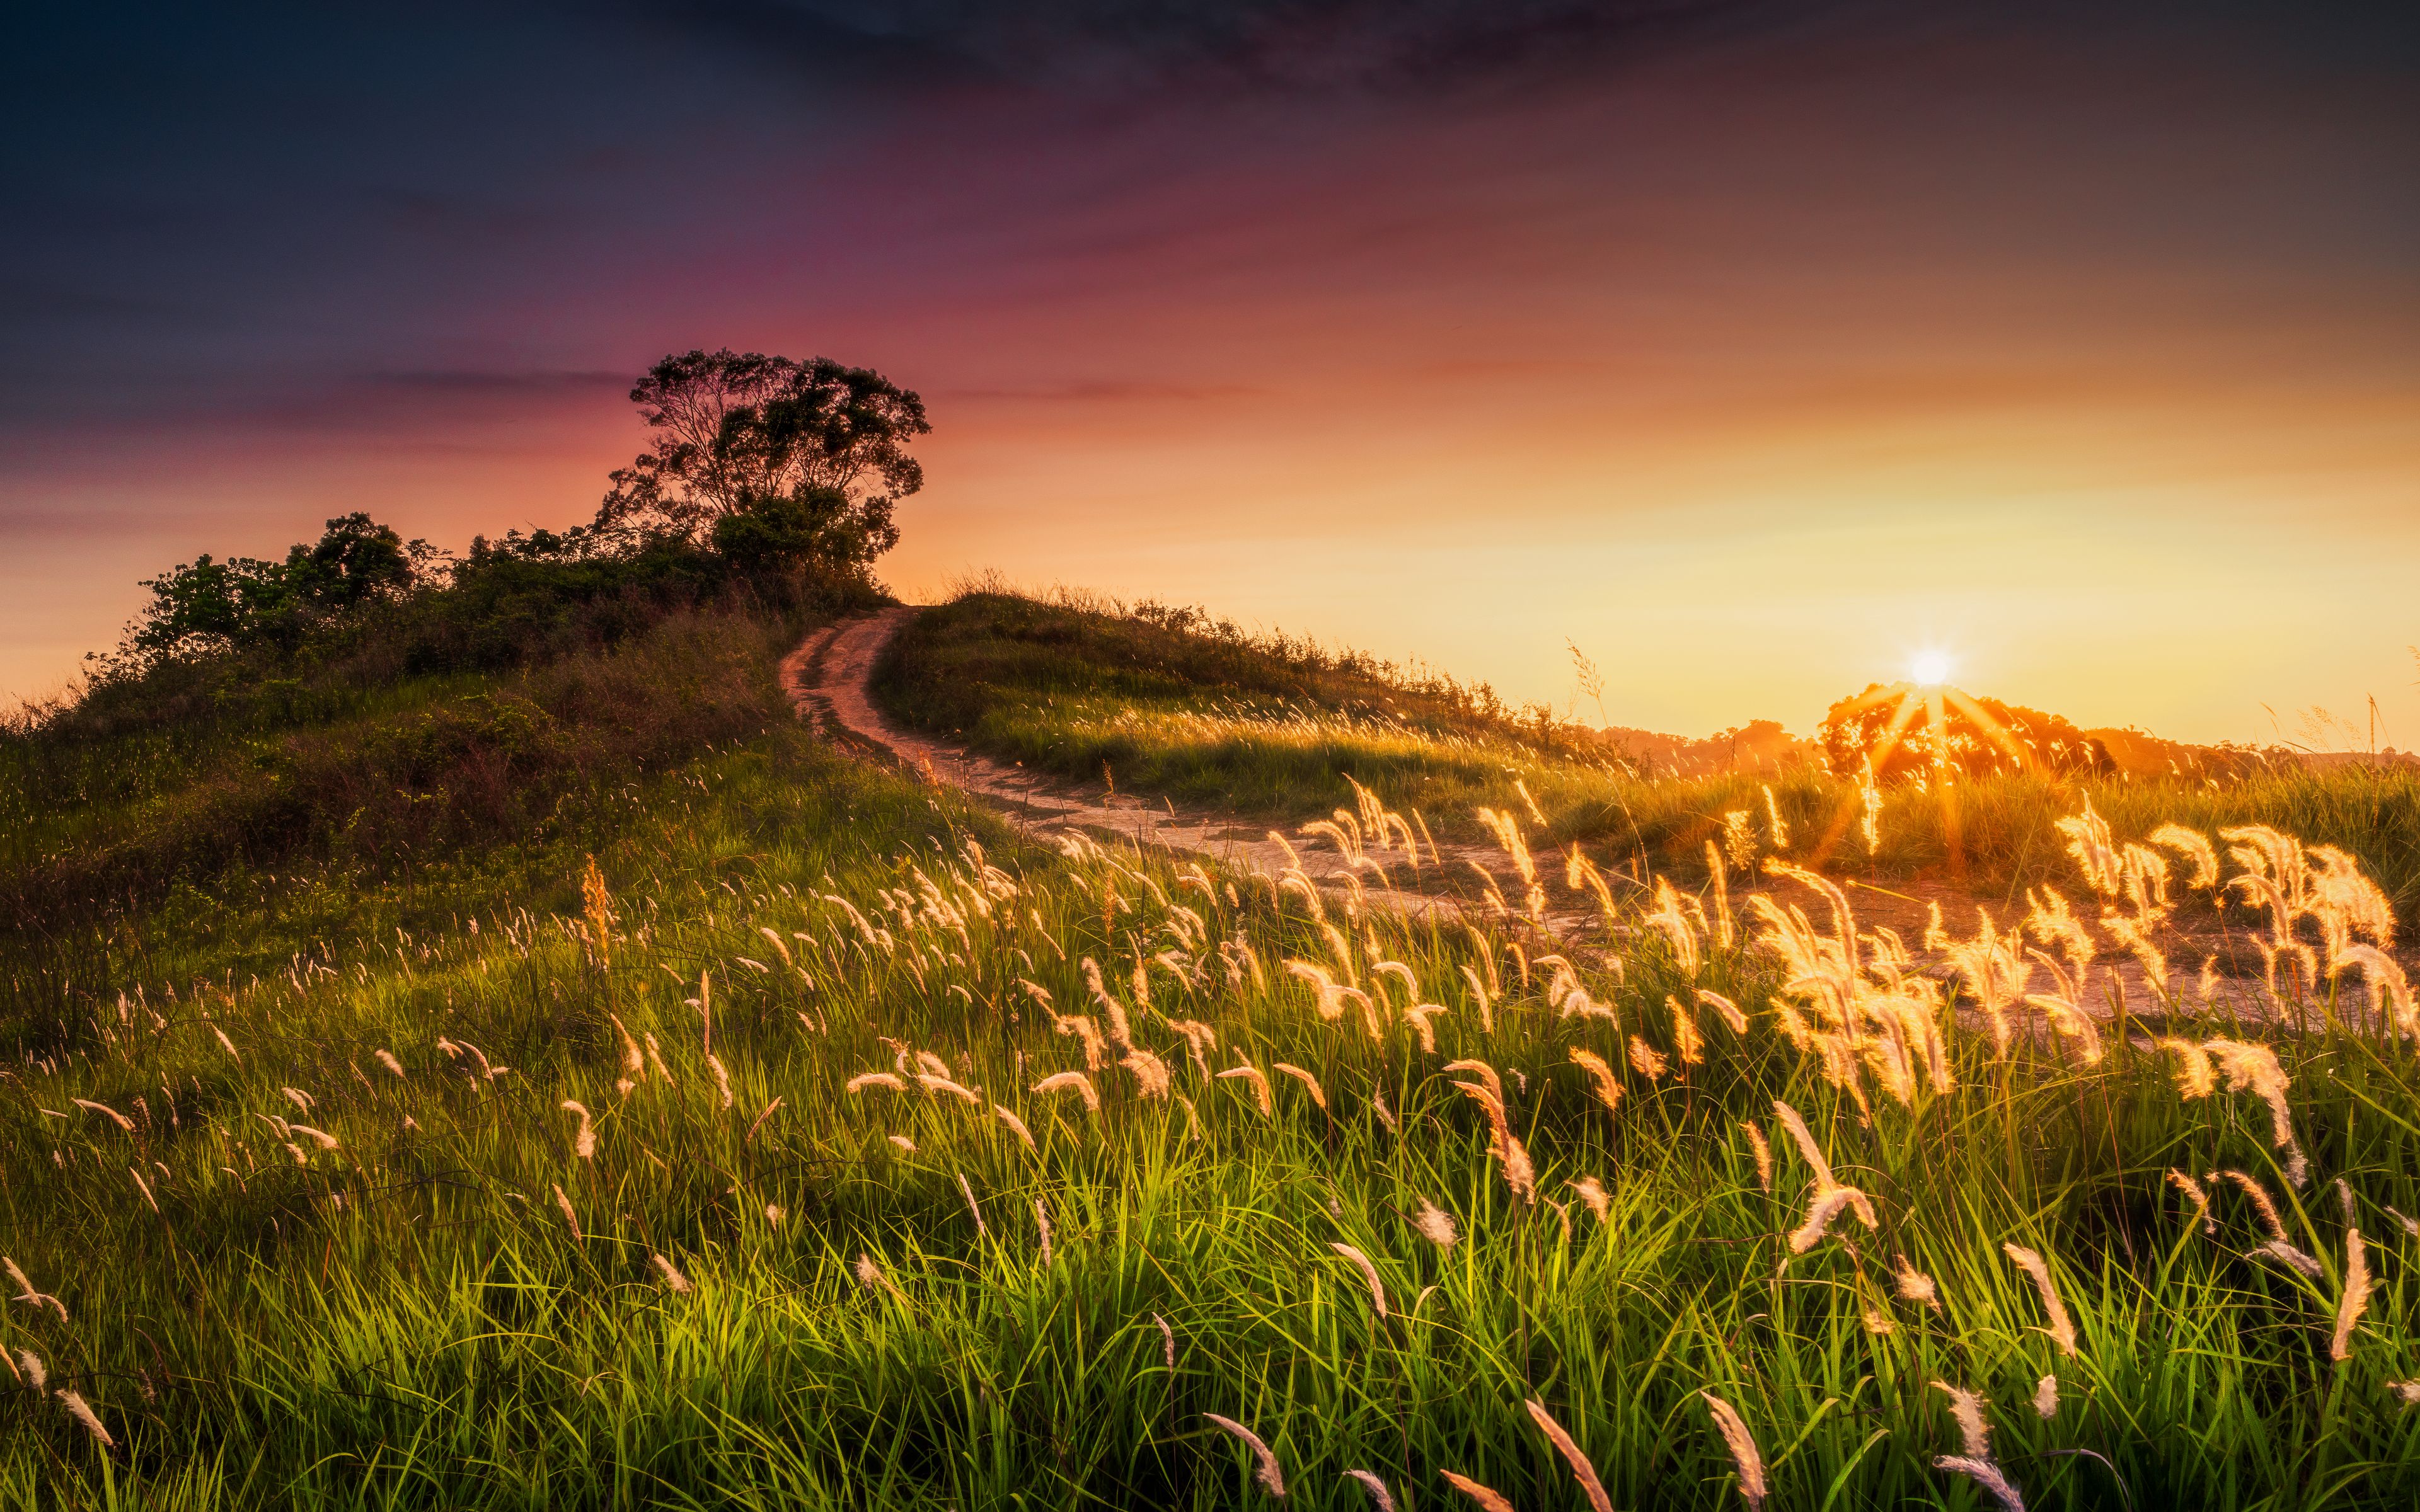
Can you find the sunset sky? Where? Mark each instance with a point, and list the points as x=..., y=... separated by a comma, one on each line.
x=1752, y=348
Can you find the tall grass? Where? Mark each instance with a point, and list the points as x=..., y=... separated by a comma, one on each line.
x=870, y=1317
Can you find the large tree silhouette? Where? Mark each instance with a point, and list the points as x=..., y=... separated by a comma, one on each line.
x=771, y=456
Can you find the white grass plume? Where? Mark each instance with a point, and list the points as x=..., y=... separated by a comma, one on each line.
x=2062, y=1328
x=1986, y=1475
x=1436, y=1226
x=1272, y=1479
x=1581, y=1469
x=1487, y=1499
x=1369, y=1275
x=1966, y=1411
x=2356, y=1296
x=1742, y=1443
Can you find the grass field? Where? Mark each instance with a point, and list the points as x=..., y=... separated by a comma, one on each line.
x=1270, y=729
x=305, y=1219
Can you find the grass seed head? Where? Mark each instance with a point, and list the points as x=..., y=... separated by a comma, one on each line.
x=1742, y=1443
x=1272, y=1479
x=1582, y=1471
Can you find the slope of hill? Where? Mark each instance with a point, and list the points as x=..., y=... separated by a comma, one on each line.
x=735, y=1122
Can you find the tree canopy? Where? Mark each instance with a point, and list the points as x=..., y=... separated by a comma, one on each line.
x=208, y=604
x=788, y=461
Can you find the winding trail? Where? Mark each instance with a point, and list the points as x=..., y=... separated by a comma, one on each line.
x=828, y=680
x=830, y=677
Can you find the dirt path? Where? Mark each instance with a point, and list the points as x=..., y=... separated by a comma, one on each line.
x=828, y=678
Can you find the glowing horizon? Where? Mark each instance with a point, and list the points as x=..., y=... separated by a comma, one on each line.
x=1751, y=359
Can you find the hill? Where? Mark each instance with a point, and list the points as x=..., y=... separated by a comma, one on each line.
x=644, y=1102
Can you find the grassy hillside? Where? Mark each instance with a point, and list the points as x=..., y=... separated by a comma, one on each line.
x=308, y=1217
x=1270, y=729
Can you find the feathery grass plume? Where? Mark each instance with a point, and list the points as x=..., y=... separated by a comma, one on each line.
x=598, y=905
x=1914, y=1286
x=2254, y=1068
x=1742, y=1444
x=386, y=1058
x=2409, y=1390
x=2385, y=979
x=875, y=1078
x=2067, y=1019
x=1151, y=1073
x=1015, y=1125
x=1167, y=1341
x=2062, y=1328
x=939, y=1085
x=1592, y=1192
x=2046, y=1397
x=1504, y=1146
x=1647, y=1060
x=105, y=1110
x=82, y=1412
x=1581, y=1469
x=1878, y=1322
x=318, y=1136
x=1436, y=1225
x=1272, y=1479
x=1369, y=1275
x=1762, y=1153
x=1486, y=1000
x=583, y=1144
x=1804, y=1139
x=1733, y=1017
x=634, y=1065
x=2193, y=846
x=1775, y=831
x=145, y=1187
x=26, y=1294
x=1487, y=1499
x=721, y=1080
x=1072, y=1081
x=967, y=1188
x=2201, y=1195
x=673, y=1279
x=36, y=1377
x=226, y=1044
x=774, y=1213
x=1692, y=1044
x=2356, y=1296
x=1318, y=1093
x=1260, y=1085
x=1966, y=1409
x=1609, y=1086
x=570, y=1217
x=2197, y=1077
x=1418, y=1016
x=1986, y=1475
x=2278, y=1249
x=1828, y=1205
x=1486, y=1073
x=1042, y=1225
x=1382, y=1499
x=2261, y=1204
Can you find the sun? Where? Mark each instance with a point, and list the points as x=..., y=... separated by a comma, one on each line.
x=1930, y=669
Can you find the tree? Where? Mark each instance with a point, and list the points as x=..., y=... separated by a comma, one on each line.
x=1903, y=733
x=208, y=606
x=816, y=451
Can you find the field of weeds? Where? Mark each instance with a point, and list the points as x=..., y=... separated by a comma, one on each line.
x=786, y=1132
x=1272, y=729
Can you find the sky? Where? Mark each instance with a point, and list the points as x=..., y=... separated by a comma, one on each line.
x=1752, y=348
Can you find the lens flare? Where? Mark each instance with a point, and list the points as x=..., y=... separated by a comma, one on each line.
x=1931, y=668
